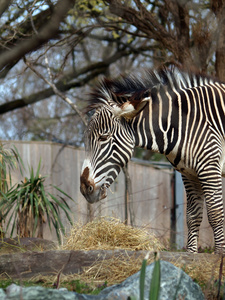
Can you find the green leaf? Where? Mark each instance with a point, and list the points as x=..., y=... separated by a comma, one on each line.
x=63, y=206
x=32, y=202
x=35, y=224
x=57, y=230
x=142, y=278
x=155, y=282
x=31, y=174
x=13, y=227
x=38, y=169
x=64, y=193
x=36, y=204
x=19, y=159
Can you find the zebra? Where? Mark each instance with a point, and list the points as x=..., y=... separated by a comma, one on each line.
x=170, y=111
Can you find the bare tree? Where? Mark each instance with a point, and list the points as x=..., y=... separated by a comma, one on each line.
x=85, y=41
x=187, y=30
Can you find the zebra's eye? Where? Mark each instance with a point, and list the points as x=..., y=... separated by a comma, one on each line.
x=103, y=137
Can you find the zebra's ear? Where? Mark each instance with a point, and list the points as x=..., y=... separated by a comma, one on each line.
x=130, y=109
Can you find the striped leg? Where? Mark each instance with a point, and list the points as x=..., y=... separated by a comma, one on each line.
x=195, y=199
x=212, y=187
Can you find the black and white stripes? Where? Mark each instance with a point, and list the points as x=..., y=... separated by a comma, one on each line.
x=178, y=114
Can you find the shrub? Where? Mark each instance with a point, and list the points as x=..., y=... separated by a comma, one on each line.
x=27, y=205
x=9, y=161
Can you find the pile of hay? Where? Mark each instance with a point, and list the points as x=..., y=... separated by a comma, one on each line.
x=109, y=234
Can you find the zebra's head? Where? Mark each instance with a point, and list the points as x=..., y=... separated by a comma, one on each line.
x=109, y=142
x=109, y=145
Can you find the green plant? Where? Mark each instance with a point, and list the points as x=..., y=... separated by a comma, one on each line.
x=27, y=205
x=142, y=278
x=9, y=161
x=155, y=282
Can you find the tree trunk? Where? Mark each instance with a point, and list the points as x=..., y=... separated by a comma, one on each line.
x=220, y=54
x=218, y=7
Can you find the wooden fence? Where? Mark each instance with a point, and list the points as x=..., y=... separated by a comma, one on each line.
x=153, y=201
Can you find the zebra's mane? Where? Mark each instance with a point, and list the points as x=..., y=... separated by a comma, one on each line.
x=135, y=88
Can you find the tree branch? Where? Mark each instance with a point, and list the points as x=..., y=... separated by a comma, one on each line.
x=146, y=22
x=4, y=4
x=36, y=97
x=142, y=19
x=46, y=33
x=67, y=81
x=57, y=92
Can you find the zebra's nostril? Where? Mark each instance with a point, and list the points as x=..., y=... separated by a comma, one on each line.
x=90, y=189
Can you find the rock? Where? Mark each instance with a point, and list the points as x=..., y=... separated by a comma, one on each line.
x=2, y=295
x=174, y=284
x=14, y=292
x=37, y=293
x=13, y=288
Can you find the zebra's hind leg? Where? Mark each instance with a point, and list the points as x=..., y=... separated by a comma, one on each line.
x=212, y=188
x=195, y=199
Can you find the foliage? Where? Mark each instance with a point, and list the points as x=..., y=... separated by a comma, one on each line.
x=206, y=250
x=9, y=161
x=155, y=282
x=27, y=204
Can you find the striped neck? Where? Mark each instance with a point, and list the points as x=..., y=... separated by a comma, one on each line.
x=149, y=133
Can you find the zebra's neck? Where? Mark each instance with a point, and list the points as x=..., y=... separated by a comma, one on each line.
x=153, y=128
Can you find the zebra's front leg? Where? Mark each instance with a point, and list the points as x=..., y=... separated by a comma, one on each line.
x=195, y=199
x=212, y=188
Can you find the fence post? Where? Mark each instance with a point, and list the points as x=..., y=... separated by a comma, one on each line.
x=128, y=197
x=179, y=209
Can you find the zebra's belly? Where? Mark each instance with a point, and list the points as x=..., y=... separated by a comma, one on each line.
x=191, y=173
x=182, y=167
x=188, y=172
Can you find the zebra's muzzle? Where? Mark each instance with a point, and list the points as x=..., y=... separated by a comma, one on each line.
x=92, y=194
x=103, y=191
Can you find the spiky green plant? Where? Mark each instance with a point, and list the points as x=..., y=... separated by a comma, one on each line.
x=27, y=205
x=155, y=282
x=9, y=161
